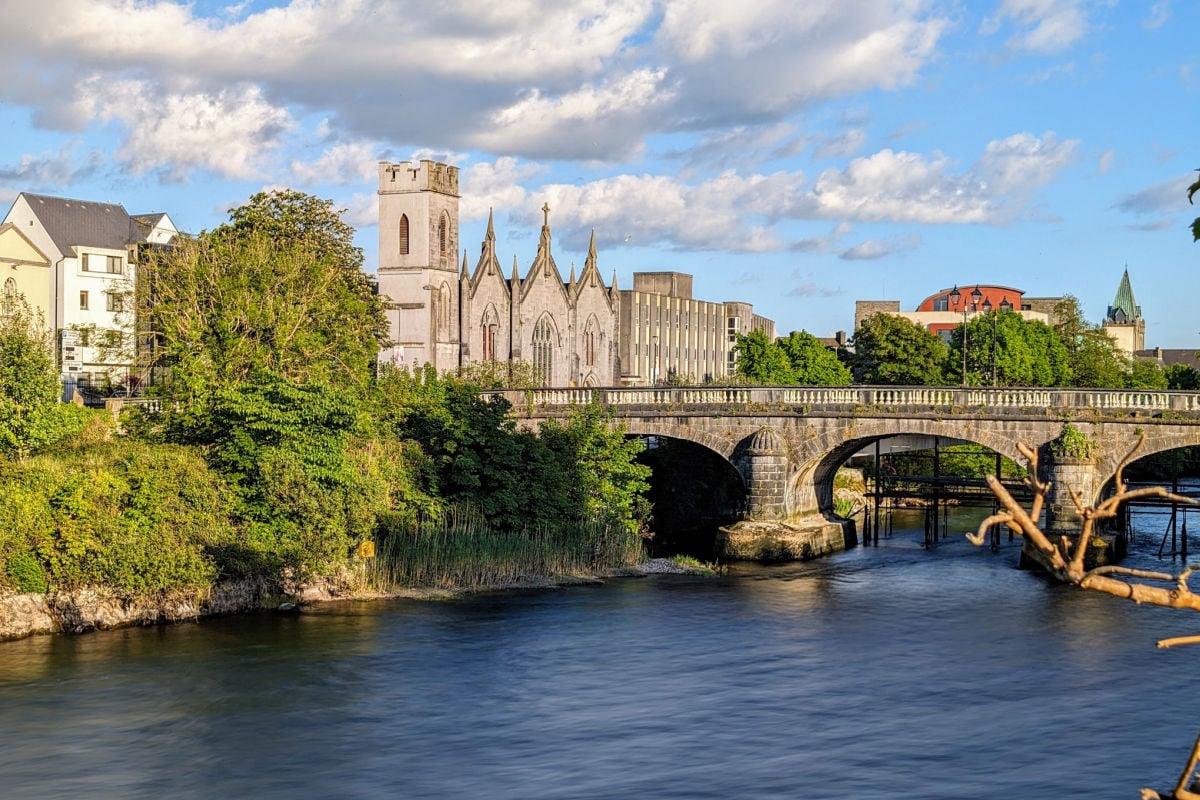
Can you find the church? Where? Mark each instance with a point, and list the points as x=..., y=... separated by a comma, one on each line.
x=578, y=332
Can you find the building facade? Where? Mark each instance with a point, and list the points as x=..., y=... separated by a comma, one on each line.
x=578, y=332
x=946, y=310
x=24, y=272
x=92, y=252
x=1123, y=321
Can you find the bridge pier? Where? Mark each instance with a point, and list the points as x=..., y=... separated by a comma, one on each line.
x=766, y=468
x=1064, y=474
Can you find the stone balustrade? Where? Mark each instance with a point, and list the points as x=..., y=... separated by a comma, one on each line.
x=974, y=399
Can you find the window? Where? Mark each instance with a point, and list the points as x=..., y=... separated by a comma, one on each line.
x=113, y=302
x=491, y=321
x=115, y=265
x=941, y=303
x=83, y=301
x=442, y=235
x=543, y=349
x=10, y=296
x=589, y=342
x=84, y=259
x=404, y=234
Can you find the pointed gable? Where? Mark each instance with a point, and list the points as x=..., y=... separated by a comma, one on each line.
x=1124, y=308
x=543, y=269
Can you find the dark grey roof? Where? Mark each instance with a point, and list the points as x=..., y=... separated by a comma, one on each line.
x=72, y=223
x=1169, y=357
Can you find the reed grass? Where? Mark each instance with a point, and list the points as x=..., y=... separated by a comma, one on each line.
x=458, y=551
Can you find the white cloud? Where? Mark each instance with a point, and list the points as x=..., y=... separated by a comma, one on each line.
x=872, y=249
x=1105, y=162
x=1165, y=197
x=1160, y=12
x=486, y=186
x=578, y=78
x=842, y=145
x=348, y=162
x=227, y=133
x=742, y=212
x=1045, y=25
x=54, y=170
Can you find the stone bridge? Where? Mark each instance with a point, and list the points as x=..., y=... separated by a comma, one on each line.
x=787, y=442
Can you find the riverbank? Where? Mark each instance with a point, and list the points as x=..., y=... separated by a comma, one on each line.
x=98, y=608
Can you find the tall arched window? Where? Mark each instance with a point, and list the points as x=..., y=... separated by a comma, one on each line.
x=489, y=324
x=10, y=296
x=442, y=242
x=543, y=349
x=404, y=234
x=589, y=341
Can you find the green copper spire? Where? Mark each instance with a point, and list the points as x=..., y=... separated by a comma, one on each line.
x=1124, y=309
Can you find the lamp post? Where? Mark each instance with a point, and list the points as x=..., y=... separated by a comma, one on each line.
x=956, y=297
x=987, y=309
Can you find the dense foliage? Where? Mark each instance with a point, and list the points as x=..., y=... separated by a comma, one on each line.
x=799, y=359
x=1005, y=349
x=893, y=350
x=31, y=417
x=280, y=445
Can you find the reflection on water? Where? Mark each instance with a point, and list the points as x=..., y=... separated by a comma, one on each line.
x=882, y=672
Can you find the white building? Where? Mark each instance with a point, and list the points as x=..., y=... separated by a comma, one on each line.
x=93, y=250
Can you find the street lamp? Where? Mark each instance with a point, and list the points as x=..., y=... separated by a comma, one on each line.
x=956, y=296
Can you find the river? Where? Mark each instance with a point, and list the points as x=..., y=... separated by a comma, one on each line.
x=883, y=672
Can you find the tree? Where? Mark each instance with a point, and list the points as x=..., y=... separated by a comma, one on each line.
x=1093, y=357
x=889, y=349
x=1182, y=376
x=30, y=415
x=1013, y=350
x=759, y=360
x=813, y=364
x=278, y=291
x=1146, y=374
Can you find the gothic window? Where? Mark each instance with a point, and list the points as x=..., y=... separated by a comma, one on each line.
x=543, y=349
x=404, y=234
x=10, y=296
x=442, y=241
x=589, y=342
x=491, y=321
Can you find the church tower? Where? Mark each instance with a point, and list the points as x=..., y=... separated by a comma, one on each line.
x=1123, y=321
x=418, y=263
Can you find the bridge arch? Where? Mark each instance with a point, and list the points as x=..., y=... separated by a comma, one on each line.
x=816, y=459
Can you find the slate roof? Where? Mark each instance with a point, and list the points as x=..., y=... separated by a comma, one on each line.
x=1170, y=357
x=1124, y=302
x=72, y=222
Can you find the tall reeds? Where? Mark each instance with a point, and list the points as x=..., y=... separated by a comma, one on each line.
x=459, y=551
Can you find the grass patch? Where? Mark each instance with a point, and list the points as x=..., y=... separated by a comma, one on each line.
x=695, y=565
x=459, y=551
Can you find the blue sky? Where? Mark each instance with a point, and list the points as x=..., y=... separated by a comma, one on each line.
x=798, y=156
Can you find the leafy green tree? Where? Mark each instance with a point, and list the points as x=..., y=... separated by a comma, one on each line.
x=760, y=360
x=279, y=290
x=890, y=349
x=1011, y=349
x=1094, y=359
x=30, y=415
x=1182, y=376
x=1146, y=374
x=606, y=481
x=813, y=364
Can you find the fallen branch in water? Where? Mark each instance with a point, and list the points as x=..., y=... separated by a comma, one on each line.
x=1065, y=562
